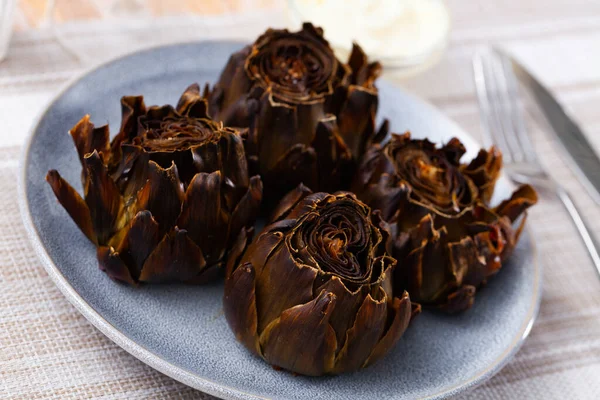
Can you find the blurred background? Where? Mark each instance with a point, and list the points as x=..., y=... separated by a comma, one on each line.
x=425, y=45
x=56, y=38
x=403, y=34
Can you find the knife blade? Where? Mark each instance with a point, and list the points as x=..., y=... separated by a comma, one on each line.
x=585, y=162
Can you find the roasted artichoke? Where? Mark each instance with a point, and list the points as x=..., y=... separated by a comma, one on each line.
x=310, y=116
x=448, y=241
x=165, y=200
x=313, y=293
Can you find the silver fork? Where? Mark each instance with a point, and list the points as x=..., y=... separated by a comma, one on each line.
x=497, y=92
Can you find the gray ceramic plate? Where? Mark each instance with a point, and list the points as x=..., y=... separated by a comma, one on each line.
x=181, y=331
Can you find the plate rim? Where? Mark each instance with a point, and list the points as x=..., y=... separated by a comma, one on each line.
x=179, y=373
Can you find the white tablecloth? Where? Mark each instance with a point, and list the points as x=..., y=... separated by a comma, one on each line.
x=47, y=350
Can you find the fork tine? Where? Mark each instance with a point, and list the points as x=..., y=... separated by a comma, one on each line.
x=506, y=111
x=484, y=106
x=498, y=96
x=518, y=121
x=485, y=85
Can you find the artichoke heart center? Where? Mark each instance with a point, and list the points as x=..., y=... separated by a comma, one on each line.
x=430, y=172
x=293, y=68
x=335, y=246
x=338, y=242
x=179, y=134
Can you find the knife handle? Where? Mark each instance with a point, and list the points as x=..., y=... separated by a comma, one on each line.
x=584, y=231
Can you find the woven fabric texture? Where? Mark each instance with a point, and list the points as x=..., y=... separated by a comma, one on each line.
x=49, y=351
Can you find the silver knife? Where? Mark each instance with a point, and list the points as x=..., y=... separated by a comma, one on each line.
x=585, y=163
